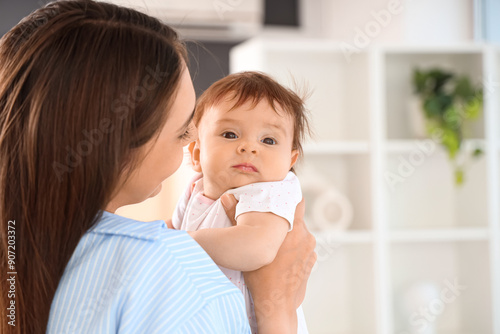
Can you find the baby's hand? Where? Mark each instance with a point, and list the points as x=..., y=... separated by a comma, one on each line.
x=229, y=203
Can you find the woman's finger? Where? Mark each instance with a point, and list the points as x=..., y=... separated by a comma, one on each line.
x=229, y=203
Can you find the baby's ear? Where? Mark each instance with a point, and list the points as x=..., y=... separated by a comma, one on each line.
x=295, y=156
x=194, y=150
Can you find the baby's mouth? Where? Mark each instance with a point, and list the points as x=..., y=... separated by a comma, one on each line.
x=246, y=167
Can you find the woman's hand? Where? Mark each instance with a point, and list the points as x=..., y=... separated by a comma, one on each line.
x=279, y=288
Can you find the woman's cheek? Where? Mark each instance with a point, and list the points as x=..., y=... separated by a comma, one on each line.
x=171, y=161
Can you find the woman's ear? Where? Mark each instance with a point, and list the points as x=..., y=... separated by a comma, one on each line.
x=194, y=150
x=295, y=156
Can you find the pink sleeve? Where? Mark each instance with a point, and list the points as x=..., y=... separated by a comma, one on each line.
x=180, y=208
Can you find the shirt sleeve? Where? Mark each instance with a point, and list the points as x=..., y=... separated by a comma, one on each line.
x=280, y=198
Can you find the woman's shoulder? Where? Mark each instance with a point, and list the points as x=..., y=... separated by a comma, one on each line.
x=110, y=224
x=155, y=247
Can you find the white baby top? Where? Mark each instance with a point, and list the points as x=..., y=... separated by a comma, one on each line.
x=279, y=197
x=194, y=211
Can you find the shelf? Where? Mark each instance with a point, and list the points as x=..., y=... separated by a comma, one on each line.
x=415, y=235
x=434, y=49
x=411, y=223
x=428, y=146
x=340, y=296
x=342, y=237
x=440, y=235
x=421, y=192
x=345, y=174
x=286, y=41
x=464, y=265
x=492, y=93
x=291, y=43
x=399, y=91
x=337, y=147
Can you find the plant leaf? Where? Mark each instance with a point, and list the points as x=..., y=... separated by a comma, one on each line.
x=473, y=108
x=419, y=79
x=463, y=88
x=459, y=176
x=452, y=118
x=477, y=152
x=452, y=142
x=432, y=107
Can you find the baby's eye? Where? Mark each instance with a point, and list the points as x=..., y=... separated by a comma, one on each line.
x=229, y=135
x=269, y=141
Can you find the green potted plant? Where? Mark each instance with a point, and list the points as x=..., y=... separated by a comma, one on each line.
x=449, y=104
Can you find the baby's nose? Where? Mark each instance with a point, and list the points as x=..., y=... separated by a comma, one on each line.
x=247, y=148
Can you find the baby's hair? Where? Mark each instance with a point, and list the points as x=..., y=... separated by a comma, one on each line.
x=255, y=86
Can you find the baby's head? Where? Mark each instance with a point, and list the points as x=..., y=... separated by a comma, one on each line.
x=250, y=129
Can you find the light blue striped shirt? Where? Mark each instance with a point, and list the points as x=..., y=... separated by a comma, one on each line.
x=128, y=276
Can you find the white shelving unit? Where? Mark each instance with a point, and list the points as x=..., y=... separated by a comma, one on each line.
x=418, y=229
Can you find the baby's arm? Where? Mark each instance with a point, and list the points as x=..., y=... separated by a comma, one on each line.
x=251, y=244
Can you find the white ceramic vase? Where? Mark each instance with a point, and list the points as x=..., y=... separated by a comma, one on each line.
x=414, y=299
x=329, y=209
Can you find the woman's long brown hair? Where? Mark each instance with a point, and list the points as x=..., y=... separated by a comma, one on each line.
x=82, y=85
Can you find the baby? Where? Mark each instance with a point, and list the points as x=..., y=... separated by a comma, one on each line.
x=250, y=130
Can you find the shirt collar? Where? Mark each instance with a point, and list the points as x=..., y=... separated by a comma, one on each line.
x=111, y=223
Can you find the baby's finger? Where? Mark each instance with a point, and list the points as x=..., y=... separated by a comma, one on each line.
x=229, y=203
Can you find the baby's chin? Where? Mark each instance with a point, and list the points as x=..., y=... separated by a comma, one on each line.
x=237, y=184
x=228, y=181
x=216, y=185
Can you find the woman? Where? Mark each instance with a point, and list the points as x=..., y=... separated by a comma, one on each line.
x=95, y=107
